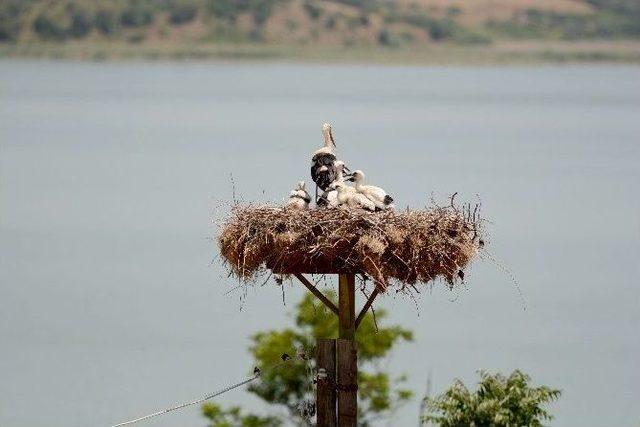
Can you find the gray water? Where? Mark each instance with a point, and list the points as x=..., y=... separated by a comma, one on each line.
x=113, y=303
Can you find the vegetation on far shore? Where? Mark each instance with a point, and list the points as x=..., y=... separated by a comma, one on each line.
x=419, y=31
x=443, y=54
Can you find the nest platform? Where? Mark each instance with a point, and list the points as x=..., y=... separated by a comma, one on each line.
x=400, y=248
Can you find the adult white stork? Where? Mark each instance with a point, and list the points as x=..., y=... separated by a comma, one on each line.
x=299, y=198
x=377, y=195
x=353, y=199
x=330, y=196
x=323, y=171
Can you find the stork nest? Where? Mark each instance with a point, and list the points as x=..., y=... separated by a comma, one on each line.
x=407, y=247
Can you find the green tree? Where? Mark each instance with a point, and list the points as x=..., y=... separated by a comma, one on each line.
x=182, y=11
x=290, y=386
x=47, y=29
x=81, y=24
x=233, y=417
x=106, y=22
x=499, y=401
x=10, y=15
x=137, y=14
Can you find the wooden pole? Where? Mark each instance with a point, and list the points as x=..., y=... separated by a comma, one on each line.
x=347, y=306
x=326, y=386
x=346, y=353
x=347, y=383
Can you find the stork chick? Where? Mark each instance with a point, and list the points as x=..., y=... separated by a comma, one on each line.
x=330, y=197
x=299, y=198
x=377, y=195
x=348, y=196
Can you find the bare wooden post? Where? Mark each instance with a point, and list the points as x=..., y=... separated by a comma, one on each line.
x=347, y=369
x=347, y=306
x=347, y=383
x=326, y=386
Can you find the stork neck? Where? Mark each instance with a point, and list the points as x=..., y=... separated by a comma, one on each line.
x=328, y=139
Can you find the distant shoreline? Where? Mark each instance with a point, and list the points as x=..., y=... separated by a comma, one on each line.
x=503, y=52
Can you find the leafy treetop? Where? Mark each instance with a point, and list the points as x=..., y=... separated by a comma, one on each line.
x=499, y=401
x=290, y=386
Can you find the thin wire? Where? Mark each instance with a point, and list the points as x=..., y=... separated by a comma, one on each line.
x=201, y=400
x=184, y=405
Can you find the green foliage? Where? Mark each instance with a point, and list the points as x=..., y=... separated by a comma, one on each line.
x=81, y=24
x=438, y=29
x=225, y=9
x=379, y=393
x=230, y=9
x=453, y=12
x=233, y=417
x=261, y=10
x=48, y=29
x=360, y=4
x=62, y=20
x=606, y=23
x=385, y=38
x=463, y=36
x=629, y=8
x=106, y=22
x=183, y=11
x=10, y=14
x=499, y=401
x=137, y=14
x=331, y=22
x=313, y=9
x=135, y=38
x=441, y=29
x=9, y=29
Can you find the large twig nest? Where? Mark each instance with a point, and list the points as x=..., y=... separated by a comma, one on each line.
x=410, y=247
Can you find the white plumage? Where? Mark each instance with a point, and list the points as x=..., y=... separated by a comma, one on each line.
x=330, y=197
x=330, y=175
x=299, y=198
x=348, y=196
x=377, y=195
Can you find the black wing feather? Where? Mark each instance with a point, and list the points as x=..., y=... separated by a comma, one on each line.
x=323, y=178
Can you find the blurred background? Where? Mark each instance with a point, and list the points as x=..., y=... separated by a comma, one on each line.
x=126, y=125
x=432, y=31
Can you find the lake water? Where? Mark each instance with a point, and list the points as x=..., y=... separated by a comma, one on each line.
x=111, y=305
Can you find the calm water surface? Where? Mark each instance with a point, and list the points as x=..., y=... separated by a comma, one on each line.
x=111, y=306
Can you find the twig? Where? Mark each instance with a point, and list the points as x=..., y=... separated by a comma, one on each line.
x=233, y=189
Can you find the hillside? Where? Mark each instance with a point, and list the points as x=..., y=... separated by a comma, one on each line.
x=318, y=23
